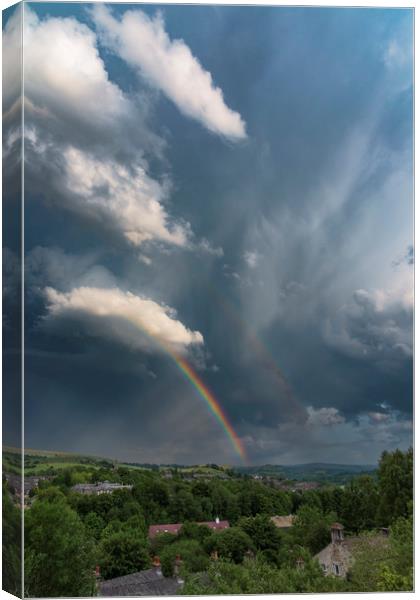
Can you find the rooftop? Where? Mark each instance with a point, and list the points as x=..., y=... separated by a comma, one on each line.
x=283, y=522
x=143, y=583
x=174, y=528
x=102, y=486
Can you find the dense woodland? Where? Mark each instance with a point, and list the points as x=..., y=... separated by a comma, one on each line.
x=67, y=534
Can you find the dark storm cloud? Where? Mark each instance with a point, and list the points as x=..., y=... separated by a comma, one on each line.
x=151, y=391
x=11, y=234
x=375, y=329
x=315, y=204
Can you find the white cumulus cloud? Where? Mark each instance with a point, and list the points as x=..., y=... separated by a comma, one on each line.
x=65, y=76
x=129, y=199
x=169, y=66
x=147, y=321
x=326, y=416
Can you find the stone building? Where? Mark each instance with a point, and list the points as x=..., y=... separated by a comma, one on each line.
x=102, y=487
x=337, y=558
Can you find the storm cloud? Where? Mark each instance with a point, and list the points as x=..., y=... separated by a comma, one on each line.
x=237, y=184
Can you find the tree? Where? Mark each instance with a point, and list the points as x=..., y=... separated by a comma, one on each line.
x=360, y=503
x=59, y=558
x=312, y=498
x=395, y=476
x=311, y=528
x=193, y=557
x=122, y=553
x=331, y=499
x=193, y=531
x=94, y=525
x=232, y=543
x=11, y=540
x=185, y=506
x=397, y=575
x=161, y=541
x=264, y=535
x=370, y=556
x=258, y=577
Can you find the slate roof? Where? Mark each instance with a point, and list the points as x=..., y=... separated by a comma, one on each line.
x=174, y=528
x=29, y=482
x=143, y=583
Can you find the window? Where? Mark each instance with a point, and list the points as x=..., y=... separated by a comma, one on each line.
x=336, y=569
x=324, y=568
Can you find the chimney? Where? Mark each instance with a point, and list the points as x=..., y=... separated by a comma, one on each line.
x=177, y=568
x=156, y=566
x=97, y=575
x=337, y=533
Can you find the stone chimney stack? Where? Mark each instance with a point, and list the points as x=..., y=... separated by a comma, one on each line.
x=337, y=533
x=157, y=566
x=97, y=573
x=177, y=568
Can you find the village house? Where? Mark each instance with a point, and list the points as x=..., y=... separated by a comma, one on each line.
x=30, y=482
x=149, y=582
x=103, y=487
x=338, y=557
x=283, y=522
x=174, y=528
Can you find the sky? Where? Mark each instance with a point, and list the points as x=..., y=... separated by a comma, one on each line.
x=219, y=195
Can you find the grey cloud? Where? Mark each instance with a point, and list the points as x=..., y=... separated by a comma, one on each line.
x=49, y=266
x=324, y=416
x=321, y=190
x=407, y=258
x=374, y=327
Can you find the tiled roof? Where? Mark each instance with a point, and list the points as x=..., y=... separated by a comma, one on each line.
x=174, y=528
x=167, y=528
x=283, y=522
x=215, y=524
x=143, y=583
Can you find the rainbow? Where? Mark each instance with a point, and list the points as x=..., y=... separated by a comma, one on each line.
x=211, y=401
x=263, y=355
x=203, y=391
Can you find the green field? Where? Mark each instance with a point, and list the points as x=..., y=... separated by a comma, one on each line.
x=43, y=462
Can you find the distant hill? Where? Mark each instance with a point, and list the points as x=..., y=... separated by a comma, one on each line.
x=320, y=472
x=38, y=461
